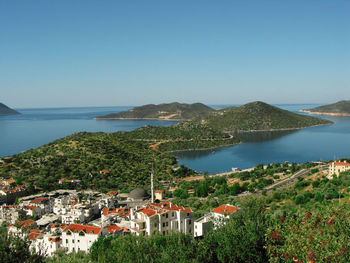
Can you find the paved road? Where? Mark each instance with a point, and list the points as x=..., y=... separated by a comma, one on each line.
x=285, y=181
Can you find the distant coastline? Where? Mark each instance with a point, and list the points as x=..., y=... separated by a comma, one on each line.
x=326, y=113
x=139, y=119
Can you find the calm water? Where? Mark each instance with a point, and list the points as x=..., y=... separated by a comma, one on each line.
x=36, y=127
x=310, y=144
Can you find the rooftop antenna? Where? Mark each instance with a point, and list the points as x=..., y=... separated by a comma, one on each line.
x=152, y=184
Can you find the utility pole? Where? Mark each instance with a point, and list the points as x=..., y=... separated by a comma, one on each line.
x=152, y=184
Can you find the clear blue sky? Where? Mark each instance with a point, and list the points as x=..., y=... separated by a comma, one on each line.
x=97, y=53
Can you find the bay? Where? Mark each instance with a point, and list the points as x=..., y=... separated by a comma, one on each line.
x=310, y=144
x=36, y=127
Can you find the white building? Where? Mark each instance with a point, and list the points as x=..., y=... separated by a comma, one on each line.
x=78, y=237
x=44, y=244
x=214, y=219
x=335, y=168
x=163, y=218
x=9, y=214
x=202, y=225
x=222, y=213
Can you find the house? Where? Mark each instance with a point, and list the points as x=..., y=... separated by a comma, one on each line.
x=222, y=212
x=44, y=244
x=78, y=237
x=159, y=195
x=109, y=216
x=161, y=217
x=202, y=225
x=213, y=220
x=335, y=168
x=10, y=194
x=9, y=213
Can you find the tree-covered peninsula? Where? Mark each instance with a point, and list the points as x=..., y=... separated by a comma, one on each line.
x=170, y=111
x=340, y=108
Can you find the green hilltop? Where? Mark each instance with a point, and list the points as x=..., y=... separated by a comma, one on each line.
x=5, y=110
x=171, y=111
x=260, y=116
x=340, y=108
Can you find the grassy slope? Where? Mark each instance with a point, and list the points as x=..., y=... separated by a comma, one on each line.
x=260, y=116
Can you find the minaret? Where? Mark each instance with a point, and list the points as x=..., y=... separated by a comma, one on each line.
x=152, y=185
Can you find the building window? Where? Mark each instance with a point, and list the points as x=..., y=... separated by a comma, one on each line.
x=155, y=224
x=166, y=224
x=163, y=232
x=166, y=215
x=66, y=241
x=189, y=222
x=163, y=224
x=172, y=214
x=73, y=241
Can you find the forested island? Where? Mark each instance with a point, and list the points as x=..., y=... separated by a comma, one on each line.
x=340, y=108
x=5, y=110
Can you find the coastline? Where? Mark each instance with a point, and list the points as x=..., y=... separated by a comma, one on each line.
x=276, y=130
x=326, y=113
x=204, y=149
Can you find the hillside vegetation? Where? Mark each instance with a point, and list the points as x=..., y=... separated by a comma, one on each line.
x=340, y=108
x=5, y=110
x=82, y=156
x=171, y=111
x=258, y=116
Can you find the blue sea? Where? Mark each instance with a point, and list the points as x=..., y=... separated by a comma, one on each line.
x=36, y=127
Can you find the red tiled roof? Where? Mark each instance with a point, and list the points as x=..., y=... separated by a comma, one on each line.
x=170, y=207
x=85, y=228
x=105, y=171
x=26, y=223
x=161, y=208
x=147, y=211
x=117, y=211
x=33, y=235
x=11, y=181
x=340, y=163
x=29, y=207
x=225, y=209
x=112, y=193
x=160, y=191
x=54, y=239
x=39, y=200
x=113, y=228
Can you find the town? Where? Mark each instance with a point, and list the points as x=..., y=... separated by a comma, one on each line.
x=72, y=221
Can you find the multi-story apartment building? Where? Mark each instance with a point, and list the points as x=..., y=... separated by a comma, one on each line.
x=78, y=237
x=163, y=218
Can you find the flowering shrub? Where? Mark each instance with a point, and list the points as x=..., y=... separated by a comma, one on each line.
x=320, y=236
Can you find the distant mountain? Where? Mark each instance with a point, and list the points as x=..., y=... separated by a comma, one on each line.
x=171, y=111
x=4, y=110
x=259, y=116
x=341, y=108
